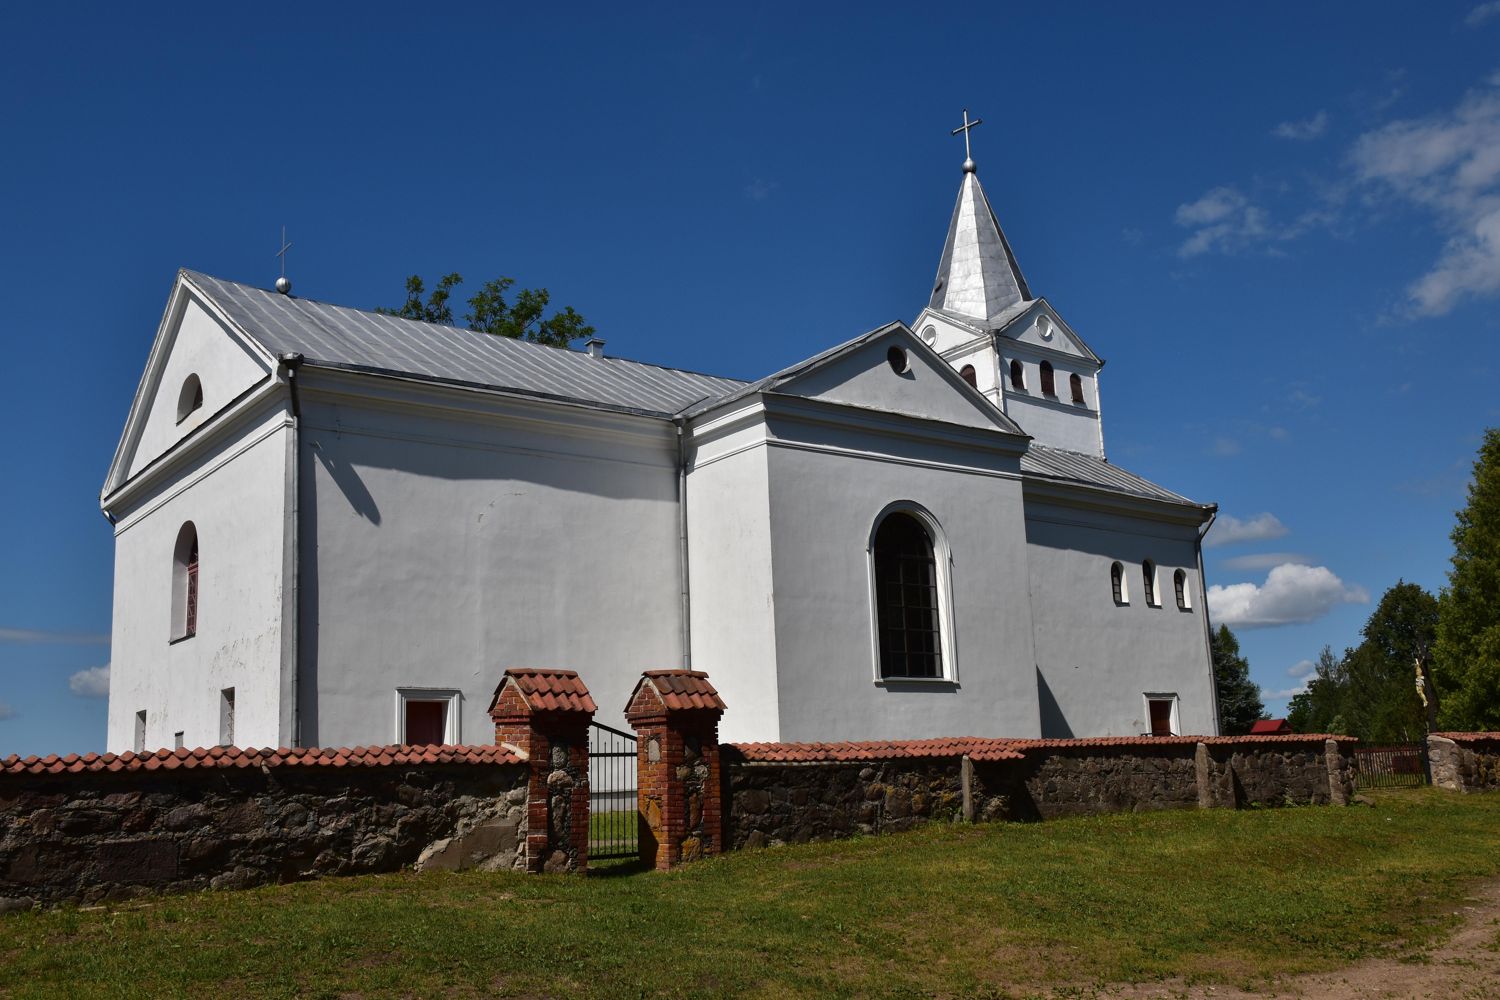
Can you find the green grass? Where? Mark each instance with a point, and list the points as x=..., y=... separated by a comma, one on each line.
x=1002, y=910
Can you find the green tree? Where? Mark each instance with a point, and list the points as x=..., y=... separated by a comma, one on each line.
x=490, y=312
x=1239, y=696
x=1319, y=709
x=1382, y=703
x=1466, y=657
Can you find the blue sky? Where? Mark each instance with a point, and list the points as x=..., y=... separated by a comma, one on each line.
x=1280, y=224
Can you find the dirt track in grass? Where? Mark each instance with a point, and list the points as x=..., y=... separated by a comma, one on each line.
x=1465, y=966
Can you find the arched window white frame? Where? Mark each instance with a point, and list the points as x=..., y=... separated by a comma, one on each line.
x=1179, y=584
x=946, y=671
x=1118, y=585
x=1148, y=580
x=190, y=399
x=185, y=583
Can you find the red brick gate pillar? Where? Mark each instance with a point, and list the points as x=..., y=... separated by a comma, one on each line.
x=675, y=714
x=545, y=714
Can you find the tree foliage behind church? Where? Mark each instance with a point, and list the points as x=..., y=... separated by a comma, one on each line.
x=1467, y=655
x=1239, y=697
x=491, y=311
x=1371, y=691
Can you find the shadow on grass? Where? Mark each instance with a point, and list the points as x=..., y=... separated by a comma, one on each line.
x=618, y=867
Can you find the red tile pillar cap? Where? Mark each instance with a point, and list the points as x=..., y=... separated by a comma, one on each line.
x=545, y=714
x=676, y=714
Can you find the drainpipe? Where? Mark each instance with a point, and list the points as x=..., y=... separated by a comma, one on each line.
x=1208, y=639
x=291, y=361
x=682, y=543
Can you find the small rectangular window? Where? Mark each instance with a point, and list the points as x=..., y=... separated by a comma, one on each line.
x=177, y=740
x=140, y=731
x=1161, y=716
x=426, y=722
x=226, y=717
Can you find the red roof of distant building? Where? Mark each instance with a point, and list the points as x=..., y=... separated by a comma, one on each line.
x=1269, y=727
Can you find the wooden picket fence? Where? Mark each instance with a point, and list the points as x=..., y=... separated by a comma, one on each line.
x=1392, y=766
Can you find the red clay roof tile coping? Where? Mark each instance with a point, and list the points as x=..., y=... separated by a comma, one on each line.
x=685, y=689
x=550, y=690
x=225, y=757
x=989, y=749
x=1468, y=737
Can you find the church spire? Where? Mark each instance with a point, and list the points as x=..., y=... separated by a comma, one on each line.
x=978, y=276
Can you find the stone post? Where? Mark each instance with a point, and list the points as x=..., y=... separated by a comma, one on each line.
x=675, y=714
x=1340, y=773
x=544, y=715
x=1445, y=758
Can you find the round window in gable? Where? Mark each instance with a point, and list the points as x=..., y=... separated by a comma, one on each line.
x=896, y=358
x=929, y=335
x=190, y=398
x=1044, y=327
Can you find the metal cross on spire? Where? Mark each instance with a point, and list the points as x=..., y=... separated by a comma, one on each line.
x=283, y=284
x=964, y=128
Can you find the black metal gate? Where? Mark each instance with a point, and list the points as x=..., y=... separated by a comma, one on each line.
x=1388, y=766
x=612, y=793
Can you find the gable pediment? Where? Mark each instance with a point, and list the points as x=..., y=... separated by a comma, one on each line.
x=862, y=374
x=200, y=363
x=1041, y=327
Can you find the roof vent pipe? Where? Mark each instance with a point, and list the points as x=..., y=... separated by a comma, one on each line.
x=595, y=347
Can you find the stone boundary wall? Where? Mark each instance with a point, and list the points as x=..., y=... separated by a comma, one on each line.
x=790, y=793
x=110, y=827
x=1465, y=762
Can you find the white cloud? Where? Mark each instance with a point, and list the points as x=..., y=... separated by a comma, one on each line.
x=1449, y=165
x=1482, y=13
x=1265, y=560
x=1302, y=669
x=1223, y=220
x=6, y=712
x=1311, y=128
x=760, y=189
x=38, y=635
x=90, y=683
x=1292, y=594
x=1228, y=529
x=1224, y=447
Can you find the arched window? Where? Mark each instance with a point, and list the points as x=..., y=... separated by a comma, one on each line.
x=907, y=615
x=1048, y=388
x=1148, y=581
x=1179, y=584
x=1075, y=382
x=968, y=375
x=1017, y=377
x=190, y=398
x=1117, y=583
x=185, y=583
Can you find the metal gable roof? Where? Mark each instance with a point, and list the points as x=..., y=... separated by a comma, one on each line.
x=339, y=336
x=1070, y=466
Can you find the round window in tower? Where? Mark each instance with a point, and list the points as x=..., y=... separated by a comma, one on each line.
x=929, y=335
x=1044, y=327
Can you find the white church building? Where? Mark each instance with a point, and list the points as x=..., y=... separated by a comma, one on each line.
x=334, y=527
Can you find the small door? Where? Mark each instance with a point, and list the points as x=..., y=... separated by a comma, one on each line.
x=426, y=722
x=1161, y=717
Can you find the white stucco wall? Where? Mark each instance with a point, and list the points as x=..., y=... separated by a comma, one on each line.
x=733, y=610
x=441, y=546
x=225, y=367
x=1096, y=659
x=827, y=486
x=235, y=496
x=1056, y=422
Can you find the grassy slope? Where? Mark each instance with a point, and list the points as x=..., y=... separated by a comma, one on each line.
x=999, y=909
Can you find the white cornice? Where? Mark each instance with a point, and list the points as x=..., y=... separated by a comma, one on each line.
x=481, y=406
x=1079, y=495
x=893, y=425
x=252, y=405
